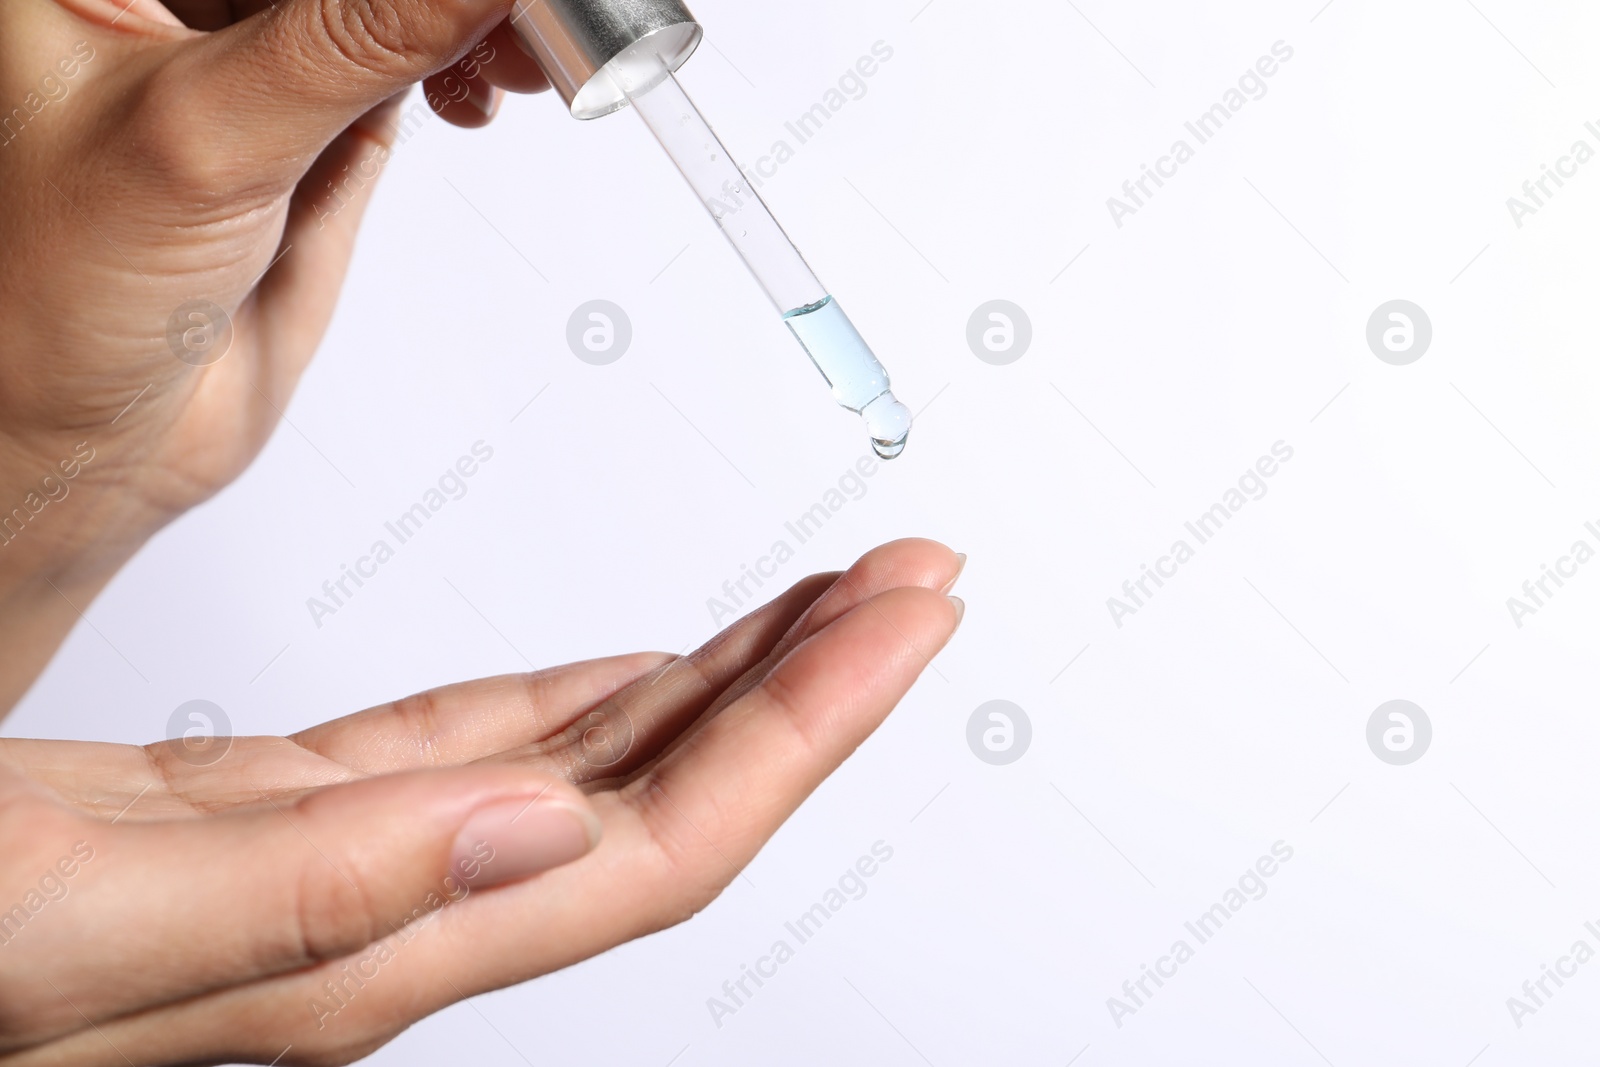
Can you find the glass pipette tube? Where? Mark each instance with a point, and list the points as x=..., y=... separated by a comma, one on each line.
x=859, y=382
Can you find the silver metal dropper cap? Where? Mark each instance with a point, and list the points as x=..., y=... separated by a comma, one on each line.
x=575, y=40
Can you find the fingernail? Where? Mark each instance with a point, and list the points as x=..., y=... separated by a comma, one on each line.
x=961, y=609
x=507, y=840
x=951, y=584
x=483, y=96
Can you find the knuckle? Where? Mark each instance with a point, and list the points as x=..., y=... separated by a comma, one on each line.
x=333, y=915
x=175, y=143
x=420, y=718
x=790, y=708
x=696, y=872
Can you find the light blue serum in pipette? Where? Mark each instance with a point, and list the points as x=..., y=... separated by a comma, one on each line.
x=859, y=382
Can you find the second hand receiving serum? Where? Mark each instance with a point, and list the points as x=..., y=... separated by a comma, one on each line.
x=601, y=56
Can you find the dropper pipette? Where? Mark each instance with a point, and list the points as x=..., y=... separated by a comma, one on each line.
x=605, y=54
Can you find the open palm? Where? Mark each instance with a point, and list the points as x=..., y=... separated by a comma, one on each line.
x=245, y=885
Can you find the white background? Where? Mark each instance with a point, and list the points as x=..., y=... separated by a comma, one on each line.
x=1224, y=716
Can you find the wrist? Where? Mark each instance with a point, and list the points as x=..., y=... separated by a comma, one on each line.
x=58, y=550
x=56, y=523
x=31, y=486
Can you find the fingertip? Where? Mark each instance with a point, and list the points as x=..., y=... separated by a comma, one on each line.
x=920, y=621
x=486, y=98
x=510, y=64
x=918, y=558
x=910, y=563
x=881, y=638
x=772, y=745
x=961, y=566
x=469, y=103
x=914, y=611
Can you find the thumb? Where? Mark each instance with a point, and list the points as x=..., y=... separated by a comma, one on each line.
x=217, y=901
x=287, y=80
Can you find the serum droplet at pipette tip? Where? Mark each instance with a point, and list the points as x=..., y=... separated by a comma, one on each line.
x=888, y=423
x=888, y=449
